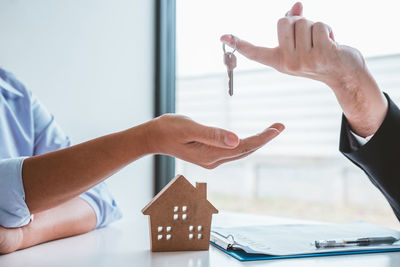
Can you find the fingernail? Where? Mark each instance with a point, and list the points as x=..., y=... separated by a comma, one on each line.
x=280, y=127
x=276, y=131
x=277, y=128
x=231, y=140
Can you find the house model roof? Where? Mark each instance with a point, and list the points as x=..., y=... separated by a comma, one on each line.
x=180, y=189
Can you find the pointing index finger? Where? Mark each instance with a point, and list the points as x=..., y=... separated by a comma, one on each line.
x=263, y=55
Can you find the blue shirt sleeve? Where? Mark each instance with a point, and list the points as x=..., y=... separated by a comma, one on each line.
x=50, y=137
x=103, y=204
x=13, y=210
x=39, y=134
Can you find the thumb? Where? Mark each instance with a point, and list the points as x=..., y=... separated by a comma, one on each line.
x=263, y=55
x=296, y=10
x=215, y=136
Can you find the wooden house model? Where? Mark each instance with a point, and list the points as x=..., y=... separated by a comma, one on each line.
x=180, y=217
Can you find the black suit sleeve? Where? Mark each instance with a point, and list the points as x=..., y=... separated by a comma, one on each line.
x=380, y=157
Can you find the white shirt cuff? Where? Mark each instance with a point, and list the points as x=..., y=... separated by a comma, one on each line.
x=362, y=140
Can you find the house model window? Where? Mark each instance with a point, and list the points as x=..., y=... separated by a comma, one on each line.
x=180, y=217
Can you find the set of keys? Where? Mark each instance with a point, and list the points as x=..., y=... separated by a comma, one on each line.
x=230, y=62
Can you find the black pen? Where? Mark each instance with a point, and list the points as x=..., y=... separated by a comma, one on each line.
x=367, y=241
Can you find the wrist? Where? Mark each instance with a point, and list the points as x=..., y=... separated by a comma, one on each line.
x=26, y=237
x=141, y=139
x=155, y=136
x=361, y=100
x=345, y=83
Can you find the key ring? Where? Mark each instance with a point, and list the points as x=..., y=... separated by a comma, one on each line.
x=234, y=49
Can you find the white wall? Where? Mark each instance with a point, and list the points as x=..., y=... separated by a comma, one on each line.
x=91, y=63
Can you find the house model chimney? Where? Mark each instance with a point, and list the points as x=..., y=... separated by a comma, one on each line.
x=202, y=190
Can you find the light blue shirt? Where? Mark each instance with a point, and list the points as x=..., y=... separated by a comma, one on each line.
x=28, y=129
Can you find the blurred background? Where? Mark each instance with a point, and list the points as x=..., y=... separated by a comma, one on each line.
x=92, y=63
x=301, y=174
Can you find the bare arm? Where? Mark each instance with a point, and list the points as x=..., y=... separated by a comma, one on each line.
x=54, y=178
x=71, y=218
x=53, y=181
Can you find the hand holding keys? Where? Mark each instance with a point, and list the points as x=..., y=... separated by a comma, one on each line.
x=230, y=62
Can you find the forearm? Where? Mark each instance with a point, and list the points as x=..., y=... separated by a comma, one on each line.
x=53, y=178
x=362, y=102
x=71, y=218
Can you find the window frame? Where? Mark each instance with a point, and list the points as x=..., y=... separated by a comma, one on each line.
x=165, y=62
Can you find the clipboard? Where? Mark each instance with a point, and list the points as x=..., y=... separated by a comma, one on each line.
x=267, y=242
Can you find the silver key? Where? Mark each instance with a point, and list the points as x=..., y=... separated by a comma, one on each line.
x=230, y=62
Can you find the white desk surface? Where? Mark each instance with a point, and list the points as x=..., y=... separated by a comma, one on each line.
x=126, y=243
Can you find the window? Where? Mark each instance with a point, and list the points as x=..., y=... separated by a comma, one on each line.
x=181, y=211
x=167, y=229
x=301, y=174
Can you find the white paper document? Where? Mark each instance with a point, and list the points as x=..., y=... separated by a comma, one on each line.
x=295, y=239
